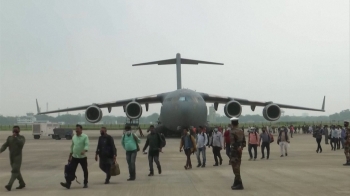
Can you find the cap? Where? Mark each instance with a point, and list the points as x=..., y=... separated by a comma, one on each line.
x=234, y=119
x=346, y=121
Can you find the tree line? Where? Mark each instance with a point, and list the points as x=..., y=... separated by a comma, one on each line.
x=153, y=118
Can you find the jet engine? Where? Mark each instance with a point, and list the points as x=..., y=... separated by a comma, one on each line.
x=133, y=110
x=233, y=109
x=272, y=112
x=93, y=114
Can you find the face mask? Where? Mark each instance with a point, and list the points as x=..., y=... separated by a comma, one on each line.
x=128, y=132
x=102, y=133
x=188, y=133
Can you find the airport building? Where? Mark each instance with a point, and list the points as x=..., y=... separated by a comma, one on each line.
x=24, y=120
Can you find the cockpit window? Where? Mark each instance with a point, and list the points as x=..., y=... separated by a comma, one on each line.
x=185, y=99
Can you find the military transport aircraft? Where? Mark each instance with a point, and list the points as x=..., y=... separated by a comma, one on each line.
x=182, y=107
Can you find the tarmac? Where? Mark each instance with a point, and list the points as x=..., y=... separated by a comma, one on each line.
x=302, y=172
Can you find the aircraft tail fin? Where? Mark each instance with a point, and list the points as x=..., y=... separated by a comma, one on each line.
x=324, y=103
x=37, y=107
x=178, y=61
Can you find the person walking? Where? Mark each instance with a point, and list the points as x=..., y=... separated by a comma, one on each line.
x=253, y=142
x=318, y=136
x=283, y=141
x=79, y=148
x=202, y=140
x=154, y=142
x=188, y=143
x=237, y=144
x=130, y=143
x=15, y=143
x=227, y=141
x=334, y=136
x=347, y=143
x=106, y=153
x=217, y=143
x=325, y=132
x=265, y=139
x=342, y=137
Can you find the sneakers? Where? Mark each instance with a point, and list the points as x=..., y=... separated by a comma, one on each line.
x=107, y=182
x=151, y=174
x=199, y=165
x=281, y=155
x=65, y=185
x=220, y=161
x=215, y=165
x=239, y=186
x=203, y=165
x=262, y=158
x=85, y=186
x=159, y=170
x=286, y=154
x=21, y=186
x=131, y=179
x=8, y=187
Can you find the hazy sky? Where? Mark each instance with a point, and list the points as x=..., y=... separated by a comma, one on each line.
x=72, y=53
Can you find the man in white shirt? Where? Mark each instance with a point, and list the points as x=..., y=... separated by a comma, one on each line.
x=202, y=140
x=334, y=136
x=217, y=143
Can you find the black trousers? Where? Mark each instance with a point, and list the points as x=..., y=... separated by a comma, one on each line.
x=255, y=147
x=105, y=166
x=338, y=143
x=84, y=164
x=319, y=148
x=267, y=146
x=334, y=143
x=216, y=152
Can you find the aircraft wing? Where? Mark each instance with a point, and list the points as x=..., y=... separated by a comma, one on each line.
x=158, y=98
x=221, y=99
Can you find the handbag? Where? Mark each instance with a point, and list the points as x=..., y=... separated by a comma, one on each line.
x=115, y=171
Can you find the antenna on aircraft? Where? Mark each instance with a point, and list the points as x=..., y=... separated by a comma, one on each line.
x=178, y=61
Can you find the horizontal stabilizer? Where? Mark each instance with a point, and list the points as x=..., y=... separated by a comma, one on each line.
x=162, y=62
x=173, y=61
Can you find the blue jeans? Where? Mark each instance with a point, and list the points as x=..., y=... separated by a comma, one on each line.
x=131, y=159
x=201, y=150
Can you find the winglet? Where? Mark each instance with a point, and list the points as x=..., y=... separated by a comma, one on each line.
x=37, y=107
x=323, y=105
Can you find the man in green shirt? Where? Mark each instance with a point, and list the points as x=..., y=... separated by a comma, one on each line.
x=130, y=143
x=15, y=144
x=80, y=145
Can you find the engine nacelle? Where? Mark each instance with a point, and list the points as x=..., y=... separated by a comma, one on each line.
x=93, y=114
x=272, y=112
x=133, y=110
x=233, y=109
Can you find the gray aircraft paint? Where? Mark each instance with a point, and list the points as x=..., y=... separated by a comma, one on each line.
x=182, y=107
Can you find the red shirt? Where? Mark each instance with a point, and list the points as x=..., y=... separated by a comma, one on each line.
x=227, y=137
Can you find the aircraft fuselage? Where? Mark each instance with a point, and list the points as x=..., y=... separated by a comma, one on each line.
x=183, y=108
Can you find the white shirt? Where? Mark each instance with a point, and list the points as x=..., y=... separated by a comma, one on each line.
x=202, y=140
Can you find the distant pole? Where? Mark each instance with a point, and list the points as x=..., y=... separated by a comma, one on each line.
x=47, y=107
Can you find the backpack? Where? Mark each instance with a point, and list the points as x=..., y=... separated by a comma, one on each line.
x=162, y=140
x=135, y=139
x=314, y=134
x=68, y=173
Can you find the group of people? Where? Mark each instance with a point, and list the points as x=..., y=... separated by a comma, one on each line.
x=336, y=134
x=232, y=140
